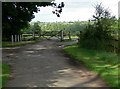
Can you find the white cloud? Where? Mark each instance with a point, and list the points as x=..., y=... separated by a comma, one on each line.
x=75, y=10
x=79, y=14
x=112, y=5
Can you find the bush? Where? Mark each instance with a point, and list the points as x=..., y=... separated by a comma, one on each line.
x=93, y=38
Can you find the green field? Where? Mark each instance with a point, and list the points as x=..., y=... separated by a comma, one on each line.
x=104, y=63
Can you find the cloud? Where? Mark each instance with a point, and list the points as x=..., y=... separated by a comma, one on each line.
x=75, y=10
x=79, y=14
x=112, y=5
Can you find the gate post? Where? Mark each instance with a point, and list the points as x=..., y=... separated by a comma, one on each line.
x=62, y=36
x=12, y=38
x=21, y=37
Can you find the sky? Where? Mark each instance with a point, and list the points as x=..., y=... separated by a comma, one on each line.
x=75, y=10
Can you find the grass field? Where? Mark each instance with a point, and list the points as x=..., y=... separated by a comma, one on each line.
x=104, y=63
x=5, y=74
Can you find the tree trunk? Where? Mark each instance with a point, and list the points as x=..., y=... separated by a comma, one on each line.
x=69, y=35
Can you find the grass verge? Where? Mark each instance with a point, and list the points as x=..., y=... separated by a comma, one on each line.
x=10, y=44
x=5, y=74
x=104, y=63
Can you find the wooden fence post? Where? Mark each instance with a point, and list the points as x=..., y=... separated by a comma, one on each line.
x=34, y=35
x=12, y=38
x=62, y=36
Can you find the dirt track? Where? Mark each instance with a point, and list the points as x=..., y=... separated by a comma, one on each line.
x=44, y=65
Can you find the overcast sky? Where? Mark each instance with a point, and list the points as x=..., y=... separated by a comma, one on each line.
x=75, y=10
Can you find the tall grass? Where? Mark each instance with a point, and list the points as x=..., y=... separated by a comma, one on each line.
x=5, y=74
x=104, y=63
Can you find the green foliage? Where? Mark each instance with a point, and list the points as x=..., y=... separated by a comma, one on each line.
x=92, y=38
x=73, y=27
x=104, y=63
x=119, y=27
x=98, y=35
x=16, y=15
x=36, y=29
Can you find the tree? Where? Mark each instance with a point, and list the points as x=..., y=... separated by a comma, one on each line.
x=98, y=35
x=16, y=15
x=103, y=18
x=36, y=29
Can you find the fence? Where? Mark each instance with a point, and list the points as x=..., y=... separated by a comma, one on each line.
x=58, y=34
x=44, y=34
x=16, y=38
